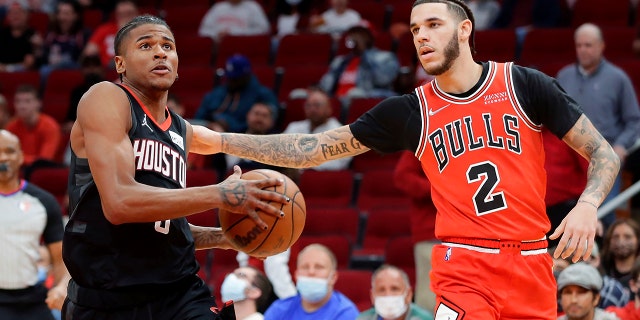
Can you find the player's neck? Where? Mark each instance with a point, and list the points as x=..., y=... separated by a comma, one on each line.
x=461, y=77
x=154, y=101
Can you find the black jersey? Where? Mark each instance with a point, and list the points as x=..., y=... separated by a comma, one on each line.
x=101, y=255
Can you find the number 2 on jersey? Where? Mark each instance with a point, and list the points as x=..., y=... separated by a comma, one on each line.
x=485, y=200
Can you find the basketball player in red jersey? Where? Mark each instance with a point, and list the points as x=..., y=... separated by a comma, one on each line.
x=476, y=129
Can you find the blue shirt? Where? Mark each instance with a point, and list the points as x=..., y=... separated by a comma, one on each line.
x=339, y=307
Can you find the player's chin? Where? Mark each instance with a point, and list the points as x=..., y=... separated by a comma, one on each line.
x=162, y=84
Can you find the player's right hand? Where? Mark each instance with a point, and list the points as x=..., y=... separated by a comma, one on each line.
x=247, y=196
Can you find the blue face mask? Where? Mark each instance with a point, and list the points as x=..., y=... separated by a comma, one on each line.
x=312, y=289
x=233, y=288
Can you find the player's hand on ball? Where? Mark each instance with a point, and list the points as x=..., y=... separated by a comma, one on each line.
x=247, y=196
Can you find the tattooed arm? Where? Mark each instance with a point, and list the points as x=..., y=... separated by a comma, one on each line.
x=209, y=237
x=579, y=227
x=285, y=150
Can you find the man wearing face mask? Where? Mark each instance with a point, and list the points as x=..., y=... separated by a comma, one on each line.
x=391, y=297
x=250, y=291
x=316, y=275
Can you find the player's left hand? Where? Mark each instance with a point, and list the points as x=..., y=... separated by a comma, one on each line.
x=56, y=296
x=578, y=230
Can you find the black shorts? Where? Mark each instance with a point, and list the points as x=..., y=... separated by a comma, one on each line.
x=191, y=299
x=24, y=304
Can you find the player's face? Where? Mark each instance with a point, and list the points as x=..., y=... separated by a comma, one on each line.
x=150, y=58
x=589, y=48
x=10, y=158
x=435, y=36
x=577, y=302
x=390, y=283
x=624, y=243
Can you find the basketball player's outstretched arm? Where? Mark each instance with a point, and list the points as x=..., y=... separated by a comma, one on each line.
x=578, y=229
x=101, y=135
x=209, y=238
x=285, y=150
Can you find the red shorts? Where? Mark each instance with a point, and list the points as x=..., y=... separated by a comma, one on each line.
x=477, y=279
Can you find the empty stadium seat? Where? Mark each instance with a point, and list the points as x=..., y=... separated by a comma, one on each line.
x=495, y=45
x=299, y=77
x=356, y=285
x=544, y=45
x=372, y=160
x=399, y=253
x=256, y=48
x=378, y=190
x=327, y=188
x=57, y=92
x=322, y=221
x=53, y=180
x=304, y=49
x=611, y=14
x=382, y=225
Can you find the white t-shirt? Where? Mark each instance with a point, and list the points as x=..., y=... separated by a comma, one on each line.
x=336, y=23
x=304, y=126
x=244, y=18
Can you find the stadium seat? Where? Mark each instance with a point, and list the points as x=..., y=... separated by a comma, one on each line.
x=299, y=77
x=10, y=81
x=356, y=285
x=618, y=43
x=57, y=92
x=322, y=221
x=613, y=14
x=543, y=45
x=359, y=106
x=304, y=49
x=193, y=84
x=184, y=19
x=377, y=190
x=399, y=253
x=372, y=160
x=256, y=48
x=495, y=45
x=382, y=225
x=195, y=51
x=323, y=189
x=53, y=180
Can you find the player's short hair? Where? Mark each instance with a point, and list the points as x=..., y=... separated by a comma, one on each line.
x=461, y=11
x=136, y=22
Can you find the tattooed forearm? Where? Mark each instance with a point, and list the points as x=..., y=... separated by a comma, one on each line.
x=293, y=150
x=207, y=238
x=604, y=164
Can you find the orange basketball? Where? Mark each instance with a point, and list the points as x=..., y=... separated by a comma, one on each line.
x=246, y=236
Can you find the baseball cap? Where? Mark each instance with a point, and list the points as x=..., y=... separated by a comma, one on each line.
x=580, y=274
x=237, y=66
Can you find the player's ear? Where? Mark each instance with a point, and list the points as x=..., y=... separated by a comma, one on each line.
x=464, y=29
x=120, y=64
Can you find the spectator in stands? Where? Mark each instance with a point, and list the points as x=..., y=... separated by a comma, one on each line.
x=101, y=41
x=579, y=290
x=410, y=178
x=620, y=250
x=39, y=133
x=364, y=72
x=5, y=114
x=613, y=293
x=316, y=274
x=335, y=20
x=319, y=118
x=276, y=268
x=485, y=12
x=29, y=215
x=391, y=297
x=566, y=179
x=606, y=95
x=234, y=17
x=18, y=35
x=631, y=311
x=292, y=16
x=250, y=291
x=65, y=40
x=93, y=72
x=225, y=107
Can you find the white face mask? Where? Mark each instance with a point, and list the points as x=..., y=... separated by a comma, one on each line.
x=390, y=307
x=233, y=288
x=312, y=289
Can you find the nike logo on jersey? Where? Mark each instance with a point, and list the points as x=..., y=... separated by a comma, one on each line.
x=145, y=123
x=431, y=112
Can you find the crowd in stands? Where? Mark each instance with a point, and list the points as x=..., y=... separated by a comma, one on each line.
x=306, y=66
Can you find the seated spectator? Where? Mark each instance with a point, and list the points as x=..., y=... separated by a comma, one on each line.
x=101, y=41
x=276, y=268
x=225, y=107
x=292, y=16
x=319, y=113
x=632, y=310
x=39, y=133
x=93, y=72
x=316, y=275
x=579, y=290
x=613, y=293
x=5, y=114
x=336, y=20
x=20, y=37
x=484, y=12
x=65, y=40
x=621, y=249
x=391, y=295
x=364, y=72
x=250, y=291
x=234, y=17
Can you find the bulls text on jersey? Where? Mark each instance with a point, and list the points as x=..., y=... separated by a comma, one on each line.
x=153, y=155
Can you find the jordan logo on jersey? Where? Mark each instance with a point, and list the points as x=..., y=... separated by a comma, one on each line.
x=153, y=155
x=145, y=123
x=460, y=136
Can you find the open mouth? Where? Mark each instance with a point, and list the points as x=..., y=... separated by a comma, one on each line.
x=162, y=69
x=425, y=51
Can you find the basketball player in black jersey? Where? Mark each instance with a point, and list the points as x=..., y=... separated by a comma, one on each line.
x=128, y=246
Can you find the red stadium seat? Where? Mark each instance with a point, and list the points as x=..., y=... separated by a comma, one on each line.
x=10, y=81
x=376, y=190
x=256, y=48
x=53, y=180
x=299, y=77
x=359, y=106
x=613, y=14
x=374, y=161
x=323, y=189
x=185, y=19
x=356, y=285
x=304, y=49
x=193, y=84
x=322, y=221
x=544, y=45
x=195, y=51
x=618, y=43
x=495, y=45
x=399, y=253
x=382, y=225
x=58, y=92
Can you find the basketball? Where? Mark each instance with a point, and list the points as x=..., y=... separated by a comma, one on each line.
x=246, y=236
